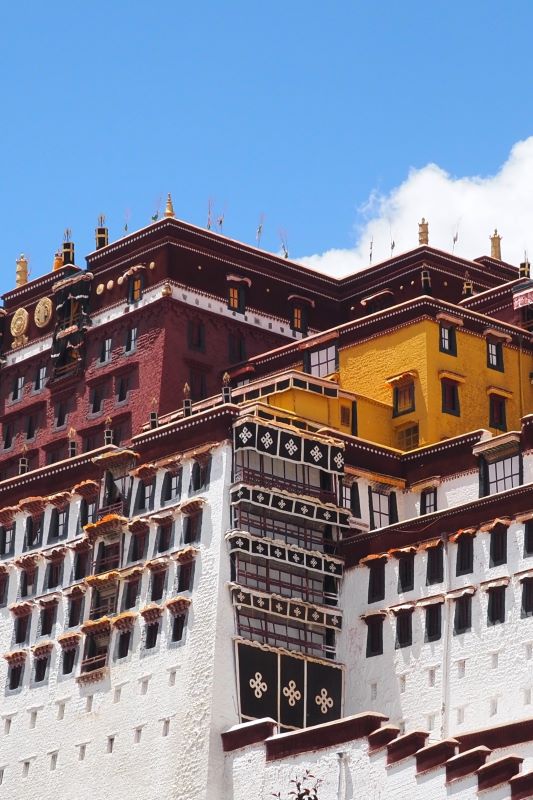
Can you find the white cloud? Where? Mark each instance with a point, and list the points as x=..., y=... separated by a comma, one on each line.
x=473, y=205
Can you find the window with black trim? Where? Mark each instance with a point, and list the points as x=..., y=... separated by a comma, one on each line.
x=75, y=608
x=435, y=565
x=16, y=671
x=450, y=397
x=498, y=476
x=374, y=636
x=131, y=340
x=28, y=581
x=171, y=489
x=22, y=626
x=200, y=470
x=192, y=527
x=403, y=399
x=4, y=588
x=30, y=427
x=40, y=379
x=497, y=412
x=58, y=528
x=404, y=628
x=185, y=577
x=406, y=572
x=69, y=658
x=495, y=355
x=528, y=539
x=8, y=432
x=158, y=583
x=408, y=437
x=122, y=383
x=135, y=288
x=34, y=530
x=41, y=668
x=105, y=350
x=196, y=335
x=96, y=400
x=54, y=574
x=527, y=597
x=383, y=508
x=464, y=563
x=299, y=319
x=7, y=540
x=321, y=362
x=178, y=625
x=496, y=605
x=198, y=383
x=48, y=618
x=152, y=630
x=350, y=498
x=376, y=580
x=462, y=621
x=236, y=347
x=428, y=501
x=145, y=496
x=138, y=545
x=498, y=546
x=164, y=538
x=124, y=644
x=447, y=339
x=131, y=593
x=18, y=388
x=237, y=298
x=433, y=622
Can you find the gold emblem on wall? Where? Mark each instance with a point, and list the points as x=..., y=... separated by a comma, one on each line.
x=43, y=312
x=19, y=326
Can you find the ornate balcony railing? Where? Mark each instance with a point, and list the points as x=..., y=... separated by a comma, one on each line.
x=257, y=478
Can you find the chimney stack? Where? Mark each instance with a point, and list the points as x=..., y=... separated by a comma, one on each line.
x=187, y=402
x=226, y=388
x=68, y=248
x=22, y=270
x=101, y=233
x=423, y=232
x=495, y=246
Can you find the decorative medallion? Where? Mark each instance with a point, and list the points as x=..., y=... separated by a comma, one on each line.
x=43, y=312
x=19, y=326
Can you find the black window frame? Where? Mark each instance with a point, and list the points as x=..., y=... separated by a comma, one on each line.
x=528, y=539
x=408, y=409
x=498, y=546
x=497, y=412
x=433, y=622
x=464, y=557
x=404, y=629
x=451, y=349
x=453, y=408
x=406, y=572
x=424, y=496
x=462, y=619
x=376, y=580
x=495, y=362
x=526, y=609
x=496, y=605
x=435, y=565
x=374, y=636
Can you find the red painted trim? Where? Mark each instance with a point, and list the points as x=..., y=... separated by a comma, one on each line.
x=522, y=786
x=496, y=772
x=318, y=737
x=405, y=746
x=499, y=736
x=466, y=763
x=247, y=734
x=382, y=736
x=435, y=755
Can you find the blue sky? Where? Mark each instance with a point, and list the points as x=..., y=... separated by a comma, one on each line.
x=298, y=111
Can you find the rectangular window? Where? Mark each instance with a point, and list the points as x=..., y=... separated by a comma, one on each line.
x=498, y=546
x=383, y=509
x=178, y=625
x=500, y=475
x=40, y=379
x=74, y=611
x=105, y=352
x=404, y=629
x=7, y=430
x=376, y=580
x=131, y=593
x=527, y=598
x=237, y=299
x=450, y=397
x=158, y=585
x=28, y=582
x=495, y=355
x=406, y=572
x=236, y=347
x=496, y=605
x=136, y=289
x=196, y=335
x=185, y=576
x=497, y=415
x=55, y=573
x=299, y=319
x=69, y=658
x=408, y=437
x=22, y=625
x=131, y=340
x=463, y=614
x=198, y=384
x=34, y=528
x=18, y=388
x=171, y=488
x=48, y=618
x=464, y=564
x=447, y=339
x=428, y=501
x=403, y=399
x=321, y=362
x=435, y=565
x=7, y=540
x=122, y=387
x=60, y=417
x=192, y=525
x=97, y=399
x=528, y=539
x=374, y=636
x=164, y=538
x=4, y=586
x=433, y=623
x=15, y=676
x=30, y=427
x=124, y=644
x=151, y=635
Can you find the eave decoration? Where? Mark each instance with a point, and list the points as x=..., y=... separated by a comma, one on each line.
x=178, y=605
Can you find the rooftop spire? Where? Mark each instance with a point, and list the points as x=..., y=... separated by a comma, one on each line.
x=423, y=232
x=495, y=245
x=169, y=208
x=22, y=270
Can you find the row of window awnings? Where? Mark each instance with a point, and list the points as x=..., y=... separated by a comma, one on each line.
x=286, y=503
x=293, y=609
x=498, y=447
x=282, y=442
x=264, y=547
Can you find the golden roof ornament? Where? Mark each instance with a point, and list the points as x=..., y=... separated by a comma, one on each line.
x=423, y=232
x=186, y=391
x=169, y=208
x=495, y=245
x=226, y=379
x=22, y=270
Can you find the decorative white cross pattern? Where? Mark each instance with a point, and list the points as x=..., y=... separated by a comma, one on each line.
x=259, y=686
x=241, y=597
x=313, y=562
x=327, y=515
x=292, y=693
x=282, y=504
x=267, y=440
x=261, y=497
x=278, y=552
x=297, y=612
x=324, y=701
x=245, y=434
x=290, y=447
x=304, y=510
x=339, y=461
x=317, y=454
x=239, y=542
x=260, y=548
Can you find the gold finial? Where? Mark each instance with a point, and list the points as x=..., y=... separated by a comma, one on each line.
x=101, y=220
x=495, y=245
x=186, y=391
x=108, y=422
x=72, y=433
x=22, y=270
x=423, y=232
x=169, y=208
x=58, y=260
x=226, y=379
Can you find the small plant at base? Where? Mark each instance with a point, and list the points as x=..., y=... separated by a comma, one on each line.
x=303, y=789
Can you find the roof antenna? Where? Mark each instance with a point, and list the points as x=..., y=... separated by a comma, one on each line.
x=220, y=221
x=456, y=235
x=209, y=212
x=284, y=247
x=127, y=215
x=371, y=249
x=259, y=231
x=392, y=242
